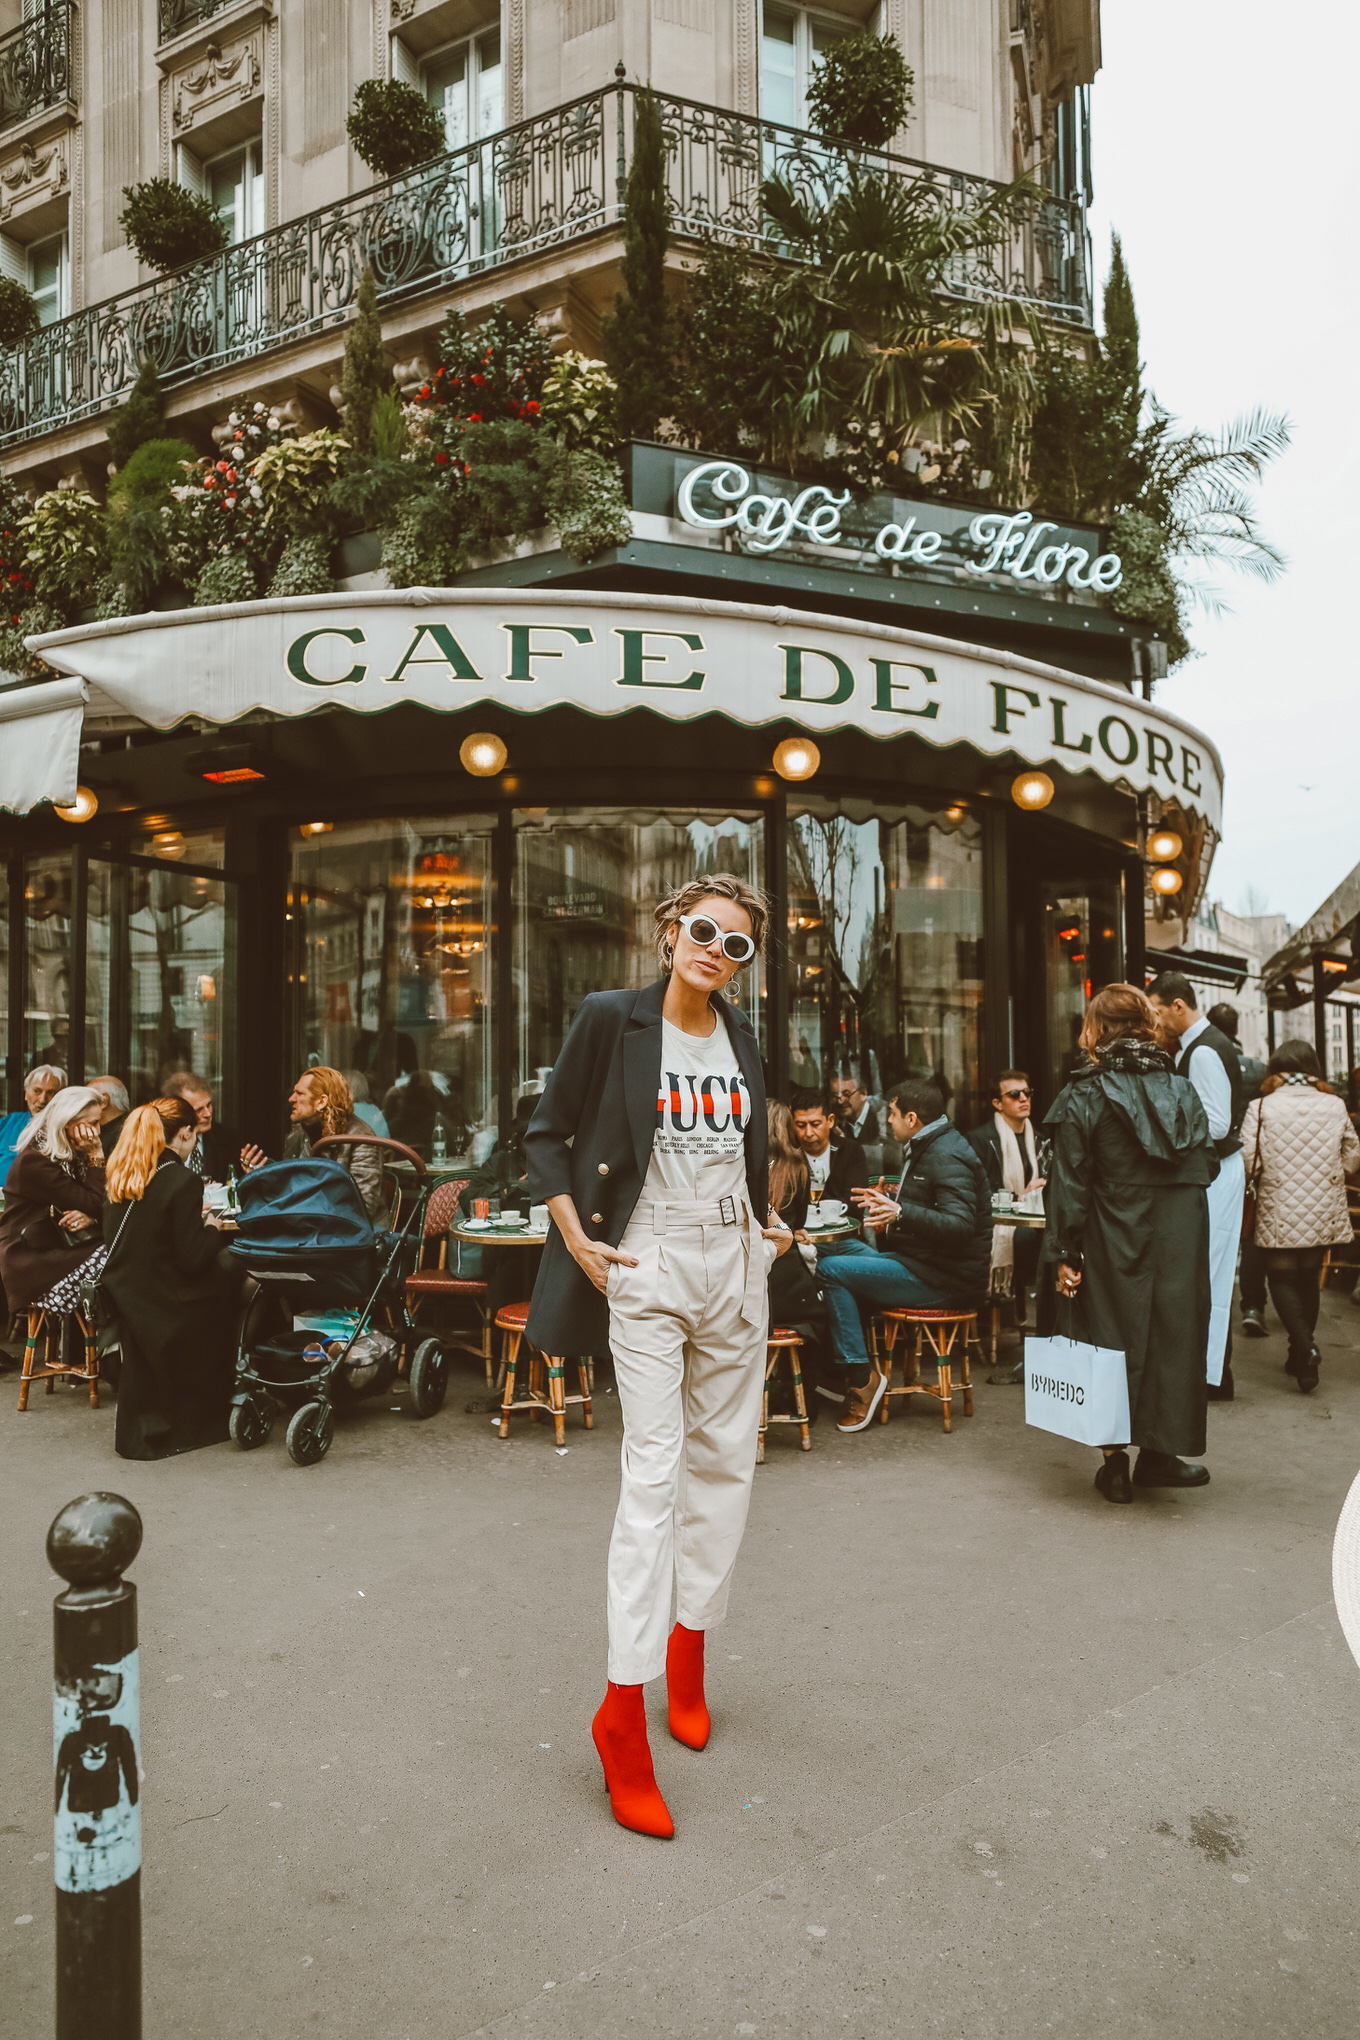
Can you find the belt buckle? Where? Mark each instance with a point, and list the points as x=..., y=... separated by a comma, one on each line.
x=727, y=1210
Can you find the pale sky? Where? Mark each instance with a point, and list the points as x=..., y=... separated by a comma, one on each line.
x=1226, y=152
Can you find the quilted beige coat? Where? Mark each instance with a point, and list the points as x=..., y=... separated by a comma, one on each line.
x=1307, y=1147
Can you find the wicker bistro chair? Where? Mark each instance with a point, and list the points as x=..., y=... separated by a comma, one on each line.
x=45, y=1327
x=950, y=1334
x=546, y=1387
x=432, y=1279
x=783, y=1344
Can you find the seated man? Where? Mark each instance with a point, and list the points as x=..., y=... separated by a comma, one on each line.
x=934, y=1240
x=836, y=1164
x=220, y=1148
x=1006, y=1149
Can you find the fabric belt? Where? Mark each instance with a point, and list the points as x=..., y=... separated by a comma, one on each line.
x=687, y=1214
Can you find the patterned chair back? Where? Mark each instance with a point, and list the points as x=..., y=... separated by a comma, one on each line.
x=442, y=1208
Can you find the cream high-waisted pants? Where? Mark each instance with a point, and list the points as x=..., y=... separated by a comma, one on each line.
x=687, y=1331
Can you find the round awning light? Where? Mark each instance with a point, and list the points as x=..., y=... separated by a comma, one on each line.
x=1166, y=881
x=796, y=758
x=1163, y=845
x=1032, y=790
x=482, y=755
x=83, y=808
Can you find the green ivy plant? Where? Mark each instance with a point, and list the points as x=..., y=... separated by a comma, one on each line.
x=19, y=319
x=585, y=499
x=227, y=578
x=168, y=225
x=304, y=568
x=393, y=127
x=862, y=91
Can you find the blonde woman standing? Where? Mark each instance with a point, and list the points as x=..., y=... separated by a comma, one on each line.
x=649, y=1147
x=171, y=1299
x=1300, y=1146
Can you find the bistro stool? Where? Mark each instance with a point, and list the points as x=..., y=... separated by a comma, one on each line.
x=431, y=1277
x=511, y=1320
x=47, y=1326
x=782, y=1341
x=948, y=1333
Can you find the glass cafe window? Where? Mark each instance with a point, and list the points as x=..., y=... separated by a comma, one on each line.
x=586, y=886
x=179, y=941
x=885, y=947
x=1083, y=949
x=47, y=951
x=392, y=972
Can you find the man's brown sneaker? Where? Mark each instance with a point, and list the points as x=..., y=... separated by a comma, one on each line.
x=862, y=1401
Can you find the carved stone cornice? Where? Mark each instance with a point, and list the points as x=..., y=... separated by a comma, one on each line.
x=33, y=175
x=225, y=74
x=402, y=10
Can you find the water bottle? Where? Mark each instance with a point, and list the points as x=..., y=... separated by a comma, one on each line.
x=233, y=1204
x=439, y=1151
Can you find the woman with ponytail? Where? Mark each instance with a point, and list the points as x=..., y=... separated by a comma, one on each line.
x=170, y=1296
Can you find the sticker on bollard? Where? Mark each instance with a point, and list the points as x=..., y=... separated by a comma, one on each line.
x=98, y=1833
x=96, y=1747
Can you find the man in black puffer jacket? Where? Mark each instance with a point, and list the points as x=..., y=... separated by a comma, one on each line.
x=934, y=1240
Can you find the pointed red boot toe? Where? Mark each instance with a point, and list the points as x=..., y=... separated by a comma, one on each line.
x=689, y=1719
x=620, y=1732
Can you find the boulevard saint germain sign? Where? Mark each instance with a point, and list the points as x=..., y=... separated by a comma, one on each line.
x=529, y=650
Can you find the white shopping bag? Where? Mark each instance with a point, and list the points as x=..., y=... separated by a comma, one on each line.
x=1079, y=1391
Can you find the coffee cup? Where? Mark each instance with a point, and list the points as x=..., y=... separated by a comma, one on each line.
x=539, y=1217
x=832, y=1209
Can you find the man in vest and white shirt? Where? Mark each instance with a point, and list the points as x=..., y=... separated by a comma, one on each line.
x=1211, y=1062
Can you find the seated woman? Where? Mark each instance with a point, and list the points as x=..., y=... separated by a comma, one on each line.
x=50, y=1242
x=322, y=1104
x=795, y=1299
x=170, y=1297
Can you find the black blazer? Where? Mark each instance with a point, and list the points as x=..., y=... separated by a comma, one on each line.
x=849, y=1170
x=591, y=1138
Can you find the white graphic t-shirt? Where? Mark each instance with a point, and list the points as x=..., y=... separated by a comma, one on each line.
x=702, y=1111
x=819, y=1167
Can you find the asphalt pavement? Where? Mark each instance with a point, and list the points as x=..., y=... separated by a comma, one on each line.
x=990, y=1757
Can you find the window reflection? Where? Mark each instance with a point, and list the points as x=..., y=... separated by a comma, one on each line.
x=393, y=970
x=47, y=949
x=586, y=885
x=885, y=947
x=1083, y=950
x=179, y=935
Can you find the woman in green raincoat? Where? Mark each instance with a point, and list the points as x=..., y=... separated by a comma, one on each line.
x=1128, y=1235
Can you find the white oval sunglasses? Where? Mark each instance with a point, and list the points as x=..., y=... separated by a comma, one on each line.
x=704, y=930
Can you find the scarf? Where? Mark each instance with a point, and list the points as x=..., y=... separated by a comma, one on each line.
x=1018, y=1170
x=1129, y=1057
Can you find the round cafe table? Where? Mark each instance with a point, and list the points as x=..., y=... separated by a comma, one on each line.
x=844, y=1229
x=1019, y=1218
x=494, y=1235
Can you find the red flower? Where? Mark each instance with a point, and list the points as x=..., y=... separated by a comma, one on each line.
x=455, y=381
x=209, y=482
x=474, y=418
x=425, y=390
x=441, y=460
x=479, y=379
x=532, y=407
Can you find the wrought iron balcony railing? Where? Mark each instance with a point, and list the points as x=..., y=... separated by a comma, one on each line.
x=36, y=66
x=173, y=17
x=547, y=183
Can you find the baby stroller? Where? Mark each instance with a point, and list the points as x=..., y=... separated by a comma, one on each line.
x=311, y=1252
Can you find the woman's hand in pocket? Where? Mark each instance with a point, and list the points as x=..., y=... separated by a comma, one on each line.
x=597, y=1258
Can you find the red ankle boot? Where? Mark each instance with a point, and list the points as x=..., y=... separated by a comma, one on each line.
x=689, y=1720
x=620, y=1732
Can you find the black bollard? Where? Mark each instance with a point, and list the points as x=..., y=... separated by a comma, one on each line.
x=96, y=1741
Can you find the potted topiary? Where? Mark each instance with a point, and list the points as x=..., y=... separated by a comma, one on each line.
x=393, y=127
x=19, y=319
x=861, y=92
x=169, y=225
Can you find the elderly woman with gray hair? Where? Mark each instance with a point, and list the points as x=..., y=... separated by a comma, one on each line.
x=54, y=1201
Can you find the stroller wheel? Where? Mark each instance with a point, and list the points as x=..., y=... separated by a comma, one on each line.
x=429, y=1378
x=310, y=1431
x=252, y=1420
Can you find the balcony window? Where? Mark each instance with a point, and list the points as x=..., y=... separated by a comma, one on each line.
x=466, y=83
x=236, y=188
x=793, y=43
x=48, y=273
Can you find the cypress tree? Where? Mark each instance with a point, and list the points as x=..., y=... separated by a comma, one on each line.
x=137, y=420
x=638, y=335
x=365, y=377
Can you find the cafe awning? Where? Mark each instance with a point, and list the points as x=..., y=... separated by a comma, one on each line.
x=526, y=650
x=40, y=742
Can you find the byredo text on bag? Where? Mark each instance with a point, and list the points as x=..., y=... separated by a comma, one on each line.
x=1078, y=1391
